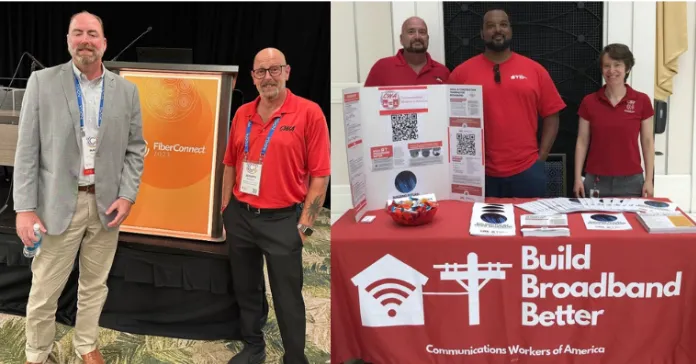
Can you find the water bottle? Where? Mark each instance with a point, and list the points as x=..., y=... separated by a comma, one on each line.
x=31, y=252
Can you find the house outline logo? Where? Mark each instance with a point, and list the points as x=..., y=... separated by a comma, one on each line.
x=390, y=291
x=390, y=294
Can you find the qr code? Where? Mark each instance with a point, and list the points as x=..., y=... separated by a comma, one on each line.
x=466, y=144
x=404, y=127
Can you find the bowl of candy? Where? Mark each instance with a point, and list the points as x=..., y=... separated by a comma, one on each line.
x=414, y=211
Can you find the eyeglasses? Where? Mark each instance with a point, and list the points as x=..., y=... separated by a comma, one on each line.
x=273, y=70
x=496, y=73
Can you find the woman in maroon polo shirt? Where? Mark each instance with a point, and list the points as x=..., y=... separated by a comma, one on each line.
x=616, y=117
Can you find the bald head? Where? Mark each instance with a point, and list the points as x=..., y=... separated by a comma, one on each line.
x=414, y=35
x=495, y=15
x=270, y=73
x=411, y=22
x=267, y=54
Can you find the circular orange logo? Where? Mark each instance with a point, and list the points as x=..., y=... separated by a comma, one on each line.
x=179, y=118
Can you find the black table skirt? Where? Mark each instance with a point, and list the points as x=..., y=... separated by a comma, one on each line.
x=153, y=290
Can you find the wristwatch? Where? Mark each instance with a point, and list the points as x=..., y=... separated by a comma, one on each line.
x=306, y=230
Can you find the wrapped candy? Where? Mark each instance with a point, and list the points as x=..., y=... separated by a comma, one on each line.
x=413, y=212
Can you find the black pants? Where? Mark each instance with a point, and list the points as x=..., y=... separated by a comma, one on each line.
x=529, y=183
x=251, y=236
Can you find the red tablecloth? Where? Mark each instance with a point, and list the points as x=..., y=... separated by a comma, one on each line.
x=390, y=304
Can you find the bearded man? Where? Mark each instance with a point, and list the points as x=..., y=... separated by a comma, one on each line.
x=517, y=92
x=77, y=172
x=412, y=65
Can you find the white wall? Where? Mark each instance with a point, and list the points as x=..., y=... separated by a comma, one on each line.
x=360, y=36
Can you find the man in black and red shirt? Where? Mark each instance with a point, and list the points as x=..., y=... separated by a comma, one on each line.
x=412, y=65
x=516, y=91
x=277, y=168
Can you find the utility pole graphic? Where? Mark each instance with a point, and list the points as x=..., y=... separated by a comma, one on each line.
x=470, y=277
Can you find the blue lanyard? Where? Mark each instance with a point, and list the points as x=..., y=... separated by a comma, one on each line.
x=78, y=90
x=265, y=145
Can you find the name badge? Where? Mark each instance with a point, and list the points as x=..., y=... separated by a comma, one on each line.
x=89, y=151
x=251, y=178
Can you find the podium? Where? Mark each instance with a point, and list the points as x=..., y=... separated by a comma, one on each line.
x=186, y=112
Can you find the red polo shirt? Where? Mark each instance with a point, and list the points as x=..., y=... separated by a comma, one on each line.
x=394, y=71
x=614, y=132
x=511, y=109
x=299, y=148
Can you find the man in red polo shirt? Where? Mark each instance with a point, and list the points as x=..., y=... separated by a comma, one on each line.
x=277, y=168
x=516, y=92
x=412, y=65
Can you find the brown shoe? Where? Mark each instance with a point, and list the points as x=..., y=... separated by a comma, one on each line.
x=94, y=357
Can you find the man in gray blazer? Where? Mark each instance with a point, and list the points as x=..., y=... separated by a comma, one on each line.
x=77, y=172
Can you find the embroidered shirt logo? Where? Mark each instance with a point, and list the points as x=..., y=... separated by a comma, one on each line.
x=518, y=77
x=630, y=106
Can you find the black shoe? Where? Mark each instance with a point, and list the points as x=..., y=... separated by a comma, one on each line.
x=249, y=355
x=285, y=360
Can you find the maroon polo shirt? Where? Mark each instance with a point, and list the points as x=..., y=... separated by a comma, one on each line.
x=614, y=132
x=394, y=71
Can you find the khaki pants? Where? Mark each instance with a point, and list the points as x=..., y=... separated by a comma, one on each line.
x=51, y=268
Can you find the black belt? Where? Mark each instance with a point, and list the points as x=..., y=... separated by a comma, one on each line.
x=260, y=211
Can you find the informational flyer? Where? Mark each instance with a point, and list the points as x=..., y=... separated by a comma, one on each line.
x=354, y=143
x=492, y=220
x=414, y=140
x=467, y=161
x=606, y=221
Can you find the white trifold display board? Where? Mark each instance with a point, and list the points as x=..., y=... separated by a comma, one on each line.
x=414, y=140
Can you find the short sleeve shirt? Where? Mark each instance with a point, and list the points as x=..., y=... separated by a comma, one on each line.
x=395, y=71
x=300, y=147
x=614, y=132
x=511, y=109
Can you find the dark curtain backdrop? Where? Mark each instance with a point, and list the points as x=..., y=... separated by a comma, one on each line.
x=218, y=33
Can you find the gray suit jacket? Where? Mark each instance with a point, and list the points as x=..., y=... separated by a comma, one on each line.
x=47, y=163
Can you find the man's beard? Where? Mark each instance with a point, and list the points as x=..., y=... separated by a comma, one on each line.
x=412, y=49
x=85, y=59
x=271, y=92
x=498, y=47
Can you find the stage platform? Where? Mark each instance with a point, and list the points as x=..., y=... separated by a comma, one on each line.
x=157, y=286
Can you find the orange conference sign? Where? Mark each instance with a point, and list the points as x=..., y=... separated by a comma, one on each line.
x=180, y=117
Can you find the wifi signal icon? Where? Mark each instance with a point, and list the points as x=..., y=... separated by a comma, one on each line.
x=390, y=291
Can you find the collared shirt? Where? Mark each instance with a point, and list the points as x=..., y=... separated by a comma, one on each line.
x=395, y=71
x=511, y=109
x=91, y=96
x=300, y=147
x=614, y=131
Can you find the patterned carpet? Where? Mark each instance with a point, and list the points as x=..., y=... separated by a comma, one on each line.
x=122, y=348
